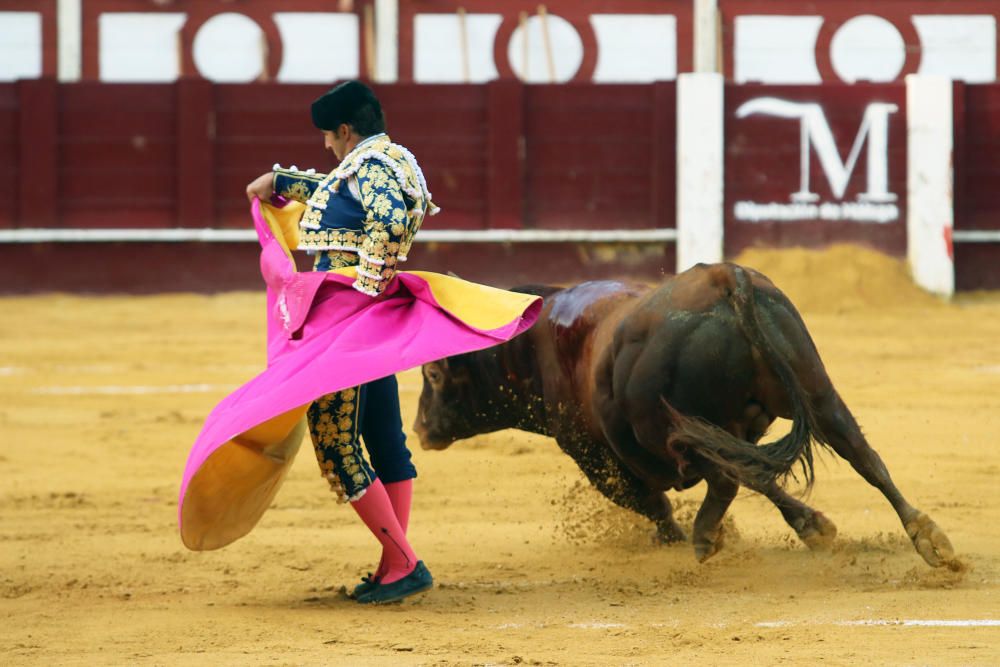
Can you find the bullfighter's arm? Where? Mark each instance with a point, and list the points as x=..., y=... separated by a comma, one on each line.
x=294, y=184
x=385, y=224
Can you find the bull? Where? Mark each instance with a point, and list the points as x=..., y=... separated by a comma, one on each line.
x=656, y=389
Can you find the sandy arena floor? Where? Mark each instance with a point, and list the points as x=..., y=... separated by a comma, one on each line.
x=100, y=399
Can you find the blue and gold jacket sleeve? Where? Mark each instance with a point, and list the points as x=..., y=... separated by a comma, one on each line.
x=384, y=227
x=294, y=184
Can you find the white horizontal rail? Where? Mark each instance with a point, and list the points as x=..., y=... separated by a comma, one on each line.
x=976, y=235
x=211, y=235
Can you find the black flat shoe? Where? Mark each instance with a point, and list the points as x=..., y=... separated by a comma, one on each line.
x=367, y=585
x=415, y=582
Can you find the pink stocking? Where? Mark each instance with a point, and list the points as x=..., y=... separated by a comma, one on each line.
x=401, y=496
x=375, y=509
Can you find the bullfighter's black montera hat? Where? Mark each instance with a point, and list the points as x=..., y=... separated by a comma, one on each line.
x=341, y=103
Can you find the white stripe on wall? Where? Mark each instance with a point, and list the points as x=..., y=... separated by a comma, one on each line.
x=976, y=236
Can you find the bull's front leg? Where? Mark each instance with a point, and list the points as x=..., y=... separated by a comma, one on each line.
x=628, y=491
x=622, y=487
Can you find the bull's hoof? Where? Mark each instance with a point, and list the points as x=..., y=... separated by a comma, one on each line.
x=818, y=532
x=669, y=532
x=930, y=541
x=709, y=544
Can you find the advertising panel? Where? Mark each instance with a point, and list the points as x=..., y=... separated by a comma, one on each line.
x=815, y=165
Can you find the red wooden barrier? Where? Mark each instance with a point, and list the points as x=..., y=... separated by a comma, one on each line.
x=594, y=156
x=9, y=144
x=977, y=175
x=507, y=147
x=500, y=155
x=195, y=149
x=117, y=155
x=38, y=172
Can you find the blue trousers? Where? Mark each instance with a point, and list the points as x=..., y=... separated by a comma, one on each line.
x=338, y=422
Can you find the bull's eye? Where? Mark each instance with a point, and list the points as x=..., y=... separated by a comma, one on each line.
x=434, y=376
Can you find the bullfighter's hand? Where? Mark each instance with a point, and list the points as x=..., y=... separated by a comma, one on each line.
x=261, y=187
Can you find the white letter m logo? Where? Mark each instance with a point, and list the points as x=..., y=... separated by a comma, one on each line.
x=814, y=130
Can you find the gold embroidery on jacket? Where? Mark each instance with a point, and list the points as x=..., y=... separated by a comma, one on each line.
x=297, y=190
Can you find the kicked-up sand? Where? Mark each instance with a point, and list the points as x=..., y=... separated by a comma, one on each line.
x=100, y=398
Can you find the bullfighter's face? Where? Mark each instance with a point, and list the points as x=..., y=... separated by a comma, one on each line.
x=445, y=411
x=340, y=141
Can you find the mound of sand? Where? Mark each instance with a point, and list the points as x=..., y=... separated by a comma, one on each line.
x=839, y=278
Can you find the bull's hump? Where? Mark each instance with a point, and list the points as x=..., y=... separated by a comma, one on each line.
x=576, y=315
x=569, y=305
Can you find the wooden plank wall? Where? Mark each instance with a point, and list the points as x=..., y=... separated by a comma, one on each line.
x=499, y=155
x=977, y=184
x=496, y=156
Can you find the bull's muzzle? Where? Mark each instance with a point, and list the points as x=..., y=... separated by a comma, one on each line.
x=429, y=442
x=435, y=445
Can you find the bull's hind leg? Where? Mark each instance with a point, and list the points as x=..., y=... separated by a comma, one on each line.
x=708, y=532
x=844, y=435
x=812, y=526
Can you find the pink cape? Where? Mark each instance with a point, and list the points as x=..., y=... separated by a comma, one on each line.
x=323, y=336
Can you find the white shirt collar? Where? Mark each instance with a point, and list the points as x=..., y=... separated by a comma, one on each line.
x=368, y=140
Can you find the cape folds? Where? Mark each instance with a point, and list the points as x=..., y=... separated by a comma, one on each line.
x=323, y=336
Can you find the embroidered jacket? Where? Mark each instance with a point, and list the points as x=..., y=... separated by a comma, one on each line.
x=365, y=212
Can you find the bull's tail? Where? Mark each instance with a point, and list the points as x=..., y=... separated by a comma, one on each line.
x=754, y=466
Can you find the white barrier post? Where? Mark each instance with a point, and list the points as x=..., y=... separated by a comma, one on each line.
x=929, y=185
x=699, y=169
x=706, y=36
x=69, y=24
x=387, y=41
